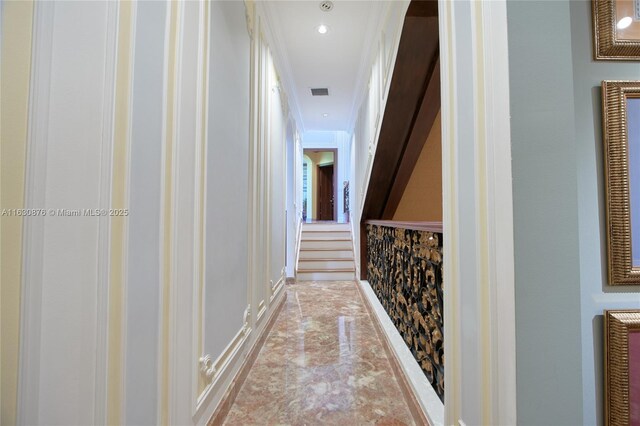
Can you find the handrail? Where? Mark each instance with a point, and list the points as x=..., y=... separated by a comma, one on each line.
x=417, y=226
x=298, y=238
x=352, y=225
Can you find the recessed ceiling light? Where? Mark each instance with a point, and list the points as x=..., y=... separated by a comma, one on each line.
x=323, y=29
x=624, y=22
x=325, y=115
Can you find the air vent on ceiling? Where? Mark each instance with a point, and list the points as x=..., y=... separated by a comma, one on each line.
x=320, y=92
x=326, y=6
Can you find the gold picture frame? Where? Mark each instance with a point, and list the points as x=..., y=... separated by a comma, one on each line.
x=621, y=367
x=621, y=135
x=616, y=29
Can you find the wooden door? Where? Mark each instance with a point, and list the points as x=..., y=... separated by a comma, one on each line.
x=325, y=192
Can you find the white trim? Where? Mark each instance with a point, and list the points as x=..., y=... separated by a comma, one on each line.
x=127, y=197
x=298, y=238
x=493, y=215
x=275, y=289
x=176, y=208
x=450, y=216
x=253, y=234
x=230, y=366
x=169, y=17
x=268, y=175
x=33, y=229
x=104, y=222
x=271, y=28
x=483, y=211
x=252, y=154
x=500, y=225
x=420, y=386
x=227, y=357
x=184, y=255
x=200, y=202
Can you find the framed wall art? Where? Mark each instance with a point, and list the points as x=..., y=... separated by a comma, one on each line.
x=616, y=29
x=621, y=134
x=622, y=367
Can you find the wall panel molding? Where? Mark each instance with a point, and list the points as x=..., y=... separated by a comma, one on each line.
x=200, y=209
x=33, y=237
x=17, y=32
x=63, y=302
x=171, y=105
x=491, y=295
x=104, y=222
x=121, y=189
x=213, y=370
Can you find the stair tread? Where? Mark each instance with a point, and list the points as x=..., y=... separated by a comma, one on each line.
x=316, y=231
x=327, y=270
x=327, y=239
x=326, y=249
x=327, y=259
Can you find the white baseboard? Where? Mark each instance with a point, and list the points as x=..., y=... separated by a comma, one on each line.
x=218, y=410
x=425, y=394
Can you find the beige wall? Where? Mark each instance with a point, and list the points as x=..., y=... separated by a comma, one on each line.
x=422, y=198
x=16, y=63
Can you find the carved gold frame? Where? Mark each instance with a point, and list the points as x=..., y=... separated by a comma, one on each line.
x=616, y=166
x=617, y=326
x=607, y=44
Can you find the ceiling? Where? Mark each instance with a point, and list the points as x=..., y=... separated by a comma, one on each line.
x=338, y=60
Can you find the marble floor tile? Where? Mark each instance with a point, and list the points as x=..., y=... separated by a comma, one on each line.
x=321, y=364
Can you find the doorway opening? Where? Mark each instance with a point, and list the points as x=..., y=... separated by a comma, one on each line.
x=319, y=185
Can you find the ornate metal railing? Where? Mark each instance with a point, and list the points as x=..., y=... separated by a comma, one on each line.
x=405, y=271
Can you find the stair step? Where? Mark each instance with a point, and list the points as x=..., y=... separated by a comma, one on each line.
x=326, y=244
x=325, y=254
x=343, y=227
x=325, y=264
x=325, y=275
x=325, y=235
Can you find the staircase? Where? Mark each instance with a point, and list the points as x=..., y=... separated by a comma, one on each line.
x=326, y=253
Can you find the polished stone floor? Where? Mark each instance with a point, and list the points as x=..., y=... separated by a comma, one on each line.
x=321, y=364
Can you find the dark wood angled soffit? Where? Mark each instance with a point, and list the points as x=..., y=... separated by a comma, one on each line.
x=413, y=103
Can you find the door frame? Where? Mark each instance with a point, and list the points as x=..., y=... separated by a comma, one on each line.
x=333, y=185
x=335, y=176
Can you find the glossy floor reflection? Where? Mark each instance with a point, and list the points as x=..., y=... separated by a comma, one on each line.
x=322, y=364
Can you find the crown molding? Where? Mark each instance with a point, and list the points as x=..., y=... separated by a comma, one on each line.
x=275, y=40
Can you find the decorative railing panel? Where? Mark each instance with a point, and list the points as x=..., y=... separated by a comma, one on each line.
x=405, y=272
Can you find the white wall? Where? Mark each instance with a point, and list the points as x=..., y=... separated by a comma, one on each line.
x=63, y=333
x=277, y=175
x=545, y=199
x=200, y=134
x=227, y=176
x=143, y=292
x=596, y=295
x=480, y=340
x=559, y=223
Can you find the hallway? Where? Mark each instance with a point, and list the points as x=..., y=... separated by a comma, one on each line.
x=160, y=196
x=322, y=363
